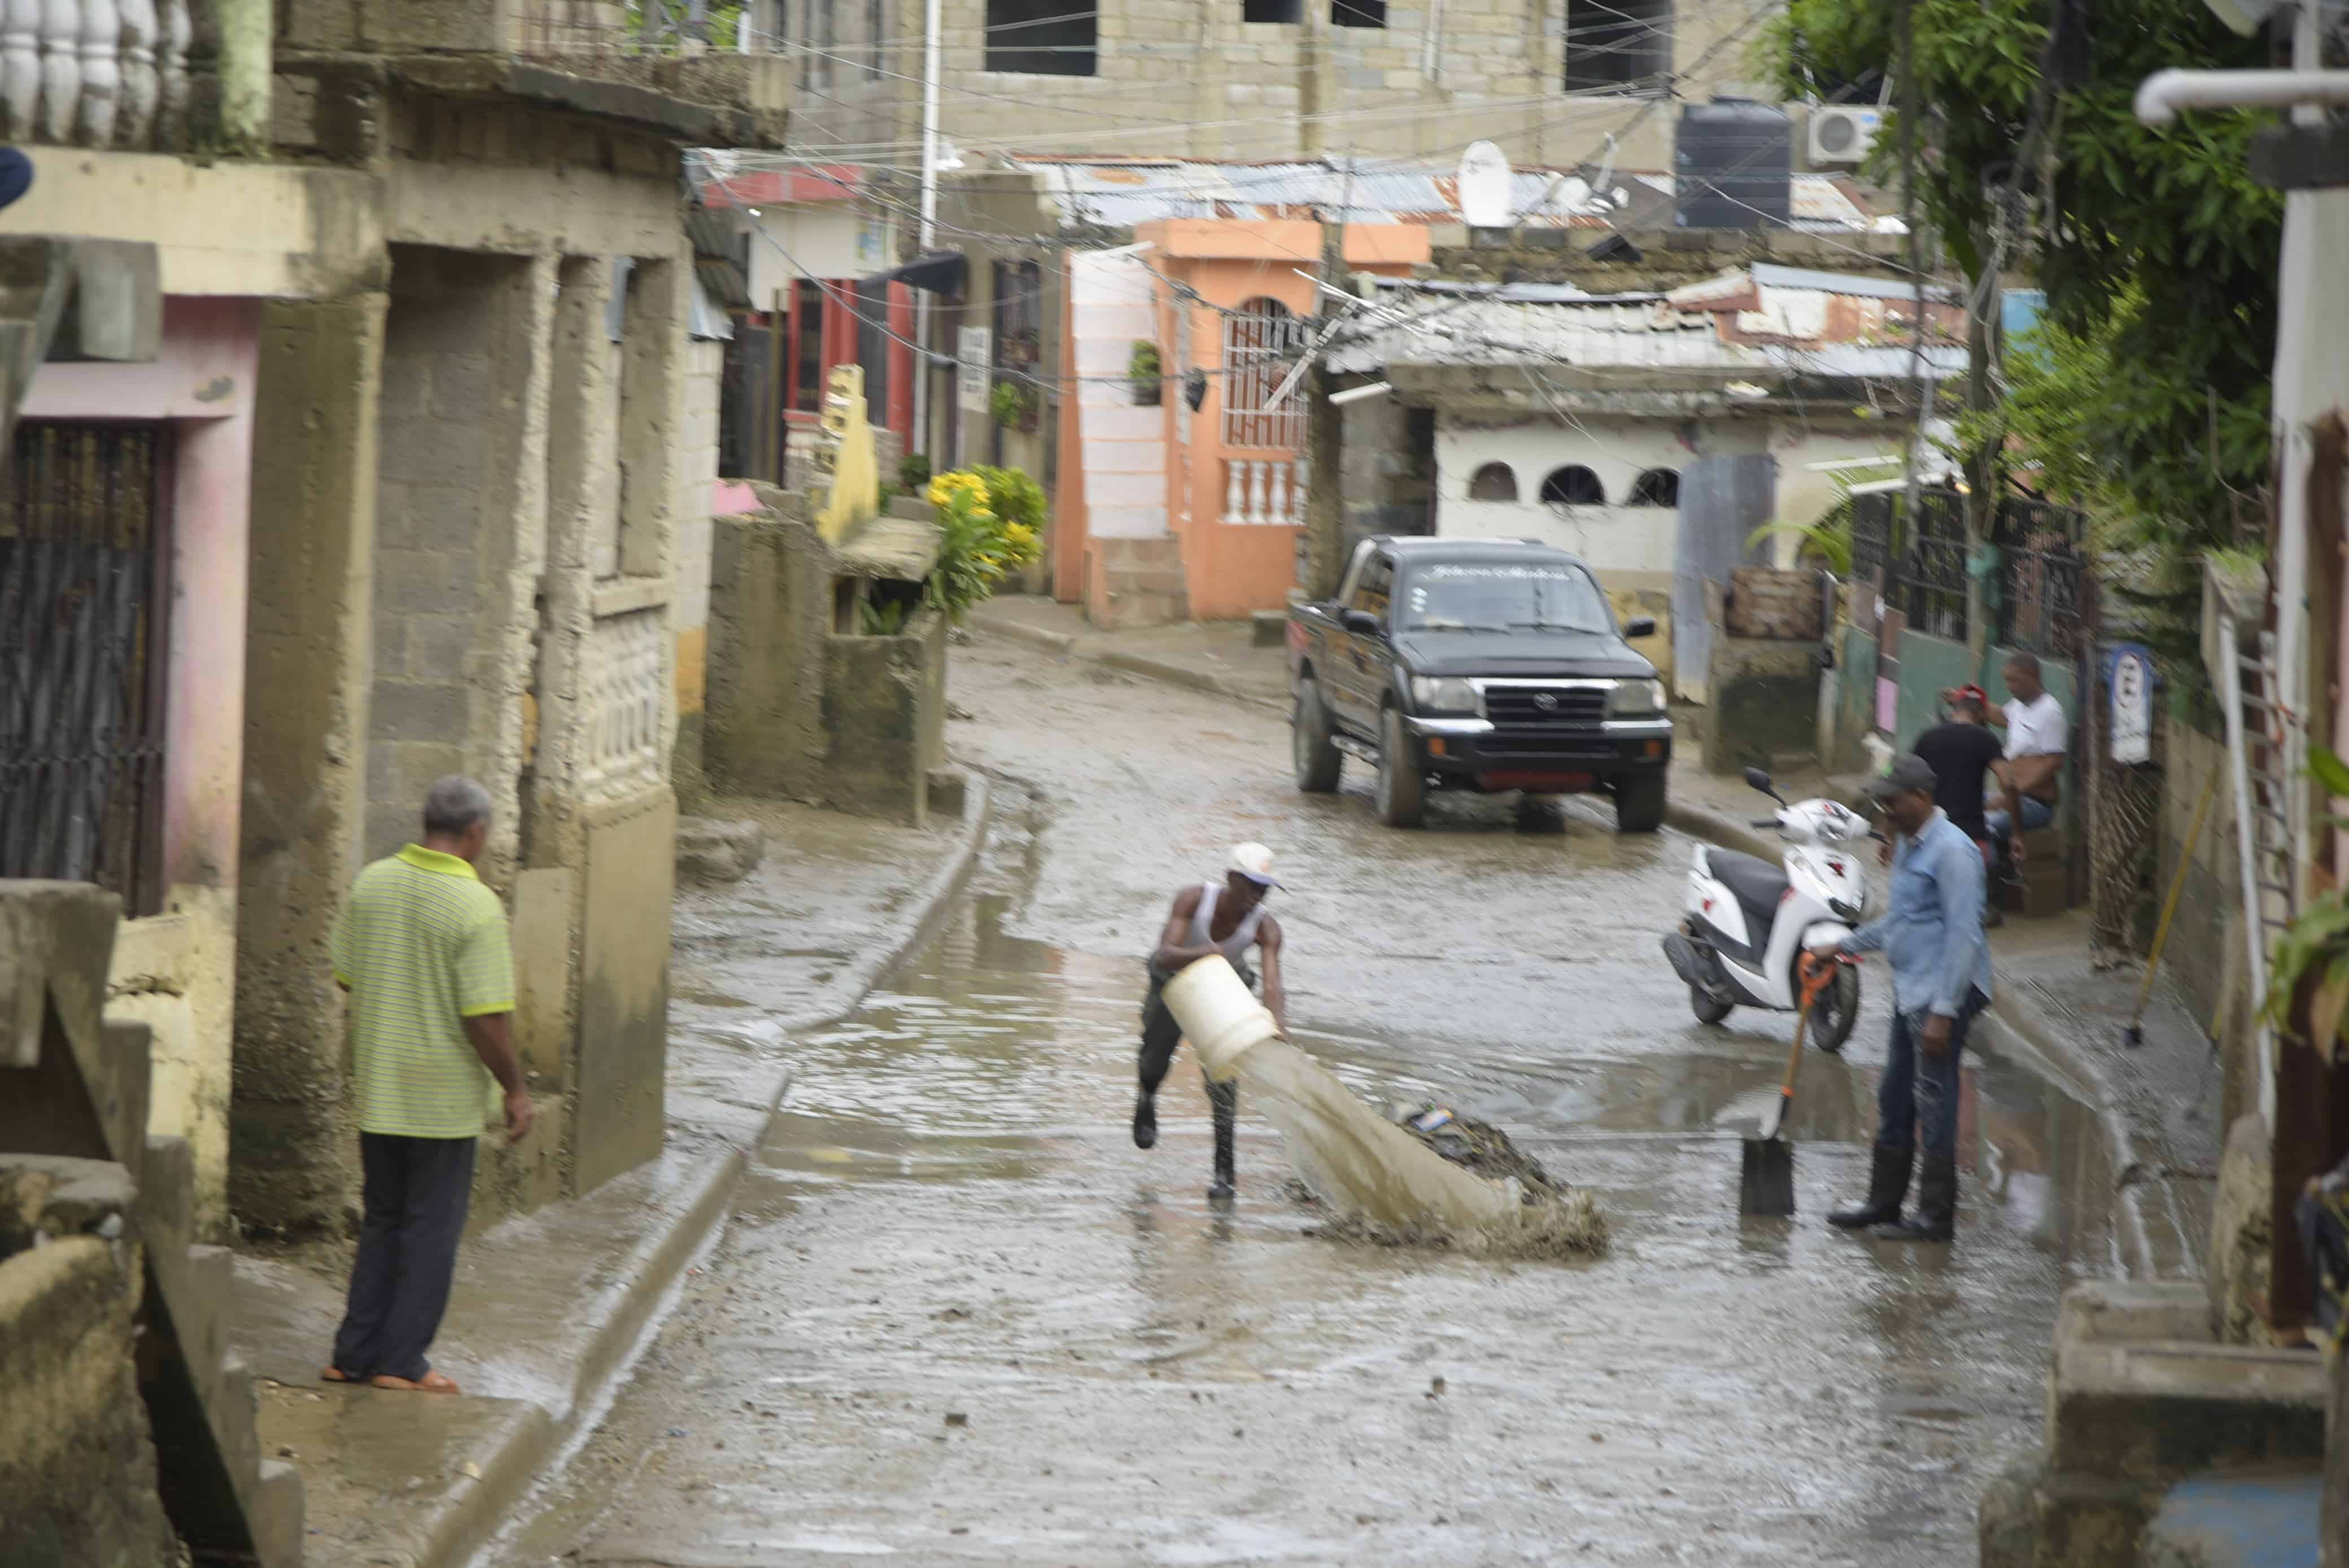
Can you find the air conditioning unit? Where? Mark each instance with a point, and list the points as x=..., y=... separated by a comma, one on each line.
x=1840, y=134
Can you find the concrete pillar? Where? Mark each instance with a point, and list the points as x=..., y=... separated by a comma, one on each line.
x=306, y=660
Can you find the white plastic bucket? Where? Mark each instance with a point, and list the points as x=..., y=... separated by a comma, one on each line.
x=1219, y=1014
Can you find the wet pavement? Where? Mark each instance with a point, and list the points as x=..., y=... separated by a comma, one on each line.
x=958, y=1318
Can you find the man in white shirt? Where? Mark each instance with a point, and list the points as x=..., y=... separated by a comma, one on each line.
x=2037, y=735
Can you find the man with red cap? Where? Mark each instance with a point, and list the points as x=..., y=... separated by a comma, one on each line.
x=1223, y=918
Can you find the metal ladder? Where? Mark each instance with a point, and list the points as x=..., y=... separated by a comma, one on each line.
x=2265, y=737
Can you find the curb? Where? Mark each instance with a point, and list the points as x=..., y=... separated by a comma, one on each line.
x=2021, y=1033
x=536, y=1445
x=1020, y=630
x=1143, y=665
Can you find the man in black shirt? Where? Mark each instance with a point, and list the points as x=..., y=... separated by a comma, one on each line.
x=1960, y=752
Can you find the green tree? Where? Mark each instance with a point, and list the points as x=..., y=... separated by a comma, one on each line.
x=2146, y=391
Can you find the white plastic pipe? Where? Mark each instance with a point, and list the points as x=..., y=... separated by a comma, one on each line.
x=2162, y=95
x=1219, y=1014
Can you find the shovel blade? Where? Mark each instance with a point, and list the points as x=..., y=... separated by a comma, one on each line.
x=1766, y=1184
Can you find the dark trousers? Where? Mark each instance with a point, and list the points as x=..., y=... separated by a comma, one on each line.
x=1919, y=1094
x=416, y=1192
x=1161, y=1034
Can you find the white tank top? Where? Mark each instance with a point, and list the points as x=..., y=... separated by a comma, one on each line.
x=1239, y=941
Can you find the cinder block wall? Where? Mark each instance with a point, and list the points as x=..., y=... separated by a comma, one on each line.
x=433, y=540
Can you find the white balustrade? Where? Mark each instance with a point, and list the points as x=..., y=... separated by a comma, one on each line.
x=95, y=72
x=1265, y=490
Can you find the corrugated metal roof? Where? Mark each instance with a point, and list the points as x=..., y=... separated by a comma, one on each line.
x=1123, y=193
x=1535, y=324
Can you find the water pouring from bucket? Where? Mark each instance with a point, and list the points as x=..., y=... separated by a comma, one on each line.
x=1356, y=1161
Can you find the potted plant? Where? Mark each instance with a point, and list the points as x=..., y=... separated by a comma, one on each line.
x=1012, y=405
x=1145, y=372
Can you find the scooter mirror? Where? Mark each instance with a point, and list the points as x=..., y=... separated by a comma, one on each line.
x=1760, y=780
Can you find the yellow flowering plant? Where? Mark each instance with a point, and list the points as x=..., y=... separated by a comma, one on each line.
x=982, y=535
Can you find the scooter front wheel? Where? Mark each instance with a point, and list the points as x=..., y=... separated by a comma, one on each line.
x=1708, y=1010
x=1837, y=1010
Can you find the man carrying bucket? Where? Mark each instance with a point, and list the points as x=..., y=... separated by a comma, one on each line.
x=1223, y=918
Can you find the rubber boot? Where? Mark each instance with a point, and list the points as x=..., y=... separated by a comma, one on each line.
x=1145, y=1120
x=1888, y=1184
x=1937, y=1205
x=1224, y=1099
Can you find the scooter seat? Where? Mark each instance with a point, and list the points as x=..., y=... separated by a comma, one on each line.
x=1759, y=885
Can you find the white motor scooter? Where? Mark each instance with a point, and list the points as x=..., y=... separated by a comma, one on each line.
x=1746, y=922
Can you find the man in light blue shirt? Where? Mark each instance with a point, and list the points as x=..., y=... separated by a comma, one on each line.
x=1940, y=979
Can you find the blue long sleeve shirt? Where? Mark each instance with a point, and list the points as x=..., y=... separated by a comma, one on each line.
x=1933, y=933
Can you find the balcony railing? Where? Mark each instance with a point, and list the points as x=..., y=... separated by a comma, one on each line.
x=564, y=30
x=107, y=73
x=1265, y=490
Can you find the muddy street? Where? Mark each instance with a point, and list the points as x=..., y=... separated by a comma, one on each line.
x=958, y=1318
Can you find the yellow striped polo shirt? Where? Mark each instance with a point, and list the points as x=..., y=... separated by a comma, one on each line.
x=422, y=945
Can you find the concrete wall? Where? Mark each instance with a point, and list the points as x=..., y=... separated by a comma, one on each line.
x=883, y=707
x=815, y=240
x=309, y=647
x=78, y=1467
x=1192, y=78
x=770, y=604
x=697, y=482
x=444, y=531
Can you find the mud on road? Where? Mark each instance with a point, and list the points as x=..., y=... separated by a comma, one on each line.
x=959, y=1318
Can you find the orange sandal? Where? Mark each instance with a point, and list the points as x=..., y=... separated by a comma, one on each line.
x=431, y=1383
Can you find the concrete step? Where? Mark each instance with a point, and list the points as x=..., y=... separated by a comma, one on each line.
x=1269, y=628
x=1130, y=610
x=2131, y=1397
x=1170, y=581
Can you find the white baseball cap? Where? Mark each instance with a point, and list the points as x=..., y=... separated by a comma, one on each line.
x=1254, y=862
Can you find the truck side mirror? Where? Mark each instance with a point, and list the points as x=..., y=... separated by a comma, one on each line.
x=1362, y=621
x=1640, y=626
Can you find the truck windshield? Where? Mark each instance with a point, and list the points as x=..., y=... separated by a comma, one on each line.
x=1503, y=595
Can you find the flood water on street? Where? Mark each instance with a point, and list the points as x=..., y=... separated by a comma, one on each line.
x=958, y=1318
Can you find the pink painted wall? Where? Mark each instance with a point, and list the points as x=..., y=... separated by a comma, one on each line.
x=1234, y=569
x=201, y=383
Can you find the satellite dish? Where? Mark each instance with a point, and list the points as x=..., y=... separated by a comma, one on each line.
x=1573, y=194
x=1484, y=181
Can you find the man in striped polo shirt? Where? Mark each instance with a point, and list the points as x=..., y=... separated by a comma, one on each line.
x=421, y=948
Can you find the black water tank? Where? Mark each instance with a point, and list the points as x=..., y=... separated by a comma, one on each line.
x=1734, y=166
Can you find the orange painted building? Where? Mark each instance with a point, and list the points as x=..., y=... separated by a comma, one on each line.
x=1167, y=512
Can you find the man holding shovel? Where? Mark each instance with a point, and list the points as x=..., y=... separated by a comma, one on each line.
x=1228, y=918
x=1940, y=980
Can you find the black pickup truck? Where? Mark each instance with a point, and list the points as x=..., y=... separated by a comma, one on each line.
x=1476, y=663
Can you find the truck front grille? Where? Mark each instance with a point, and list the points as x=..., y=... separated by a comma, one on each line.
x=1545, y=707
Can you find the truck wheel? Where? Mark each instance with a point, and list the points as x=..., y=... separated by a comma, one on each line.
x=1403, y=782
x=1318, y=761
x=1639, y=802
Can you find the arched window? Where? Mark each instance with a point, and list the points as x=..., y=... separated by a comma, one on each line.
x=1573, y=485
x=1261, y=341
x=1494, y=481
x=1657, y=487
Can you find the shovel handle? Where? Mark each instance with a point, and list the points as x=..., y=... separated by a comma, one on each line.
x=1815, y=974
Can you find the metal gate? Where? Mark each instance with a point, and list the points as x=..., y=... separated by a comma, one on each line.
x=83, y=549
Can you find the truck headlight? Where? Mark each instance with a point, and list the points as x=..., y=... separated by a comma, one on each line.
x=1442, y=694
x=1636, y=699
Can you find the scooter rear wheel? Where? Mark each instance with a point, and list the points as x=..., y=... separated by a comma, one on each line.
x=1707, y=1009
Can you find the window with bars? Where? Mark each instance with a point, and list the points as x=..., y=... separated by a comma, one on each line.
x=1262, y=342
x=1619, y=46
x=84, y=584
x=1045, y=37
